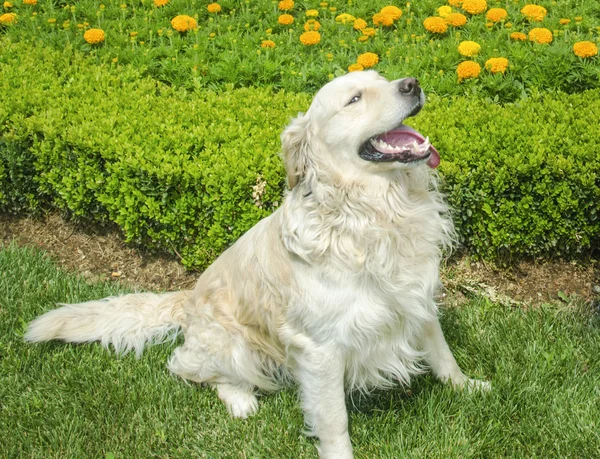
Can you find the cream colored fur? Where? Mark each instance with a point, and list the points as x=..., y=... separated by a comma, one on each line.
x=335, y=290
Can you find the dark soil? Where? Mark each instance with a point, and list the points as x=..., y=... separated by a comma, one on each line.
x=101, y=254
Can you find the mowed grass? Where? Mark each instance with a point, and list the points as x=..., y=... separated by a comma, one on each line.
x=60, y=400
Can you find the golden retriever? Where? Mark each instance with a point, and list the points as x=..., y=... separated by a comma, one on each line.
x=335, y=290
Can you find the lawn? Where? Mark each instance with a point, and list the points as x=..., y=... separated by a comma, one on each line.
x=61, y=400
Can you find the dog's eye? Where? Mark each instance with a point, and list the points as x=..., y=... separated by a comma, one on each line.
x=354, y=99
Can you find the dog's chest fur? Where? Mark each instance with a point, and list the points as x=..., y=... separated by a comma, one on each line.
x=372, y=264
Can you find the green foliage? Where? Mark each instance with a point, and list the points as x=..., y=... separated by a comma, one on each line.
x=226, y=47
x=183, y=170
x=524, y=178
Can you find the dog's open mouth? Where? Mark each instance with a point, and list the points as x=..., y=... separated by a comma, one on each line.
x=403, y=144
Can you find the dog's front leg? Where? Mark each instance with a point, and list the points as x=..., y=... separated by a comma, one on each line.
x=442, y=362
x=320, y=374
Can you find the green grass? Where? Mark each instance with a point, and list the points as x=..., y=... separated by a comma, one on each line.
x=61, y=400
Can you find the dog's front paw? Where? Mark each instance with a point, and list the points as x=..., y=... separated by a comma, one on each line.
x=473, y=385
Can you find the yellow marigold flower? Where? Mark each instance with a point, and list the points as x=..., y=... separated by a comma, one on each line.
x=8, y=18
x=578, y=18
x=382, y=19
x=534, y=12
x=360, y=24
x=393, y=11
x=312, y=24
x=369, y=31
x=518, y=36
x=444, y=11
x=456, y=19
x=540, y=35
x=367, y=60
x=29, y=2
x=285, y=5
x=94, y=36
x=455, y=3
x=497, y=64
x=565, y=21
x=585, y=49
x=345, y=18
x=183, y=23
x=159, y=3
x=267, y=44
x=474, y=6
x=214, y=8
x=469, y=48
x=7, y=5
x=323, y=4
x=52, y=21
x=285, y=19
x=468, y=69
x=312, y=13
x=310, y=38
x=508, y=25
x=363, y=38
x=435, y=25
x=355, y=68
x=133, y=34
x=333, y=9
x=496, y=14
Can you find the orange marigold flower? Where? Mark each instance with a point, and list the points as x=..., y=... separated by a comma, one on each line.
x=393, y=11
x=469, y=48
x=8, y=18
x=367, y=60
x=312, y=24
x=30, y=2
x=310, y=38
x=159, y=3
x=267, y=44
x=382, y=19
x=455, y=3
x=497, y=64
x=363, y=38
x=360, y=24
x=518, y=36
x=456, y=19
x=285, y=19
x=94, y=36
x=369, y=31
x=534, y=12
x=585, y=49
x=213, y=8
x=344, y=18
x=564, y=21
x=312, y=13
x=355, y=68
x=444, y=11
x=285, y=5
x=496, y=14
x=540, y=35
x=435, y=25
x=468, y=69
x=183, y=23
x=474, y=6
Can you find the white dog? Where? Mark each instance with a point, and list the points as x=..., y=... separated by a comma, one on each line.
x=334, y=290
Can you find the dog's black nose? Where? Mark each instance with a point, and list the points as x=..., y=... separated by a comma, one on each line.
x=409, y=86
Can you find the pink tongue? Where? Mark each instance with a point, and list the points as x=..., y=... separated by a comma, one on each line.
x=405, y=136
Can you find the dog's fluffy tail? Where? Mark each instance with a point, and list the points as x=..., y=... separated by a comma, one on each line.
x=128, y=322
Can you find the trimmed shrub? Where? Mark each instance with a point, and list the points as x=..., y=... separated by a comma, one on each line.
x=191, y=171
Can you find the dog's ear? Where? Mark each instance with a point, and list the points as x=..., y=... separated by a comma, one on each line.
x=295, y=146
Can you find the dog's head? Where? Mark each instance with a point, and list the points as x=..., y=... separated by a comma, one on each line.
x=355, y=124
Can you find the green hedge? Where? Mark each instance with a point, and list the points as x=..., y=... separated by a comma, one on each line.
x=191, y=171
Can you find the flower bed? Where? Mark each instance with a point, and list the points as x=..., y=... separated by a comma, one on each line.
x=193, y=44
